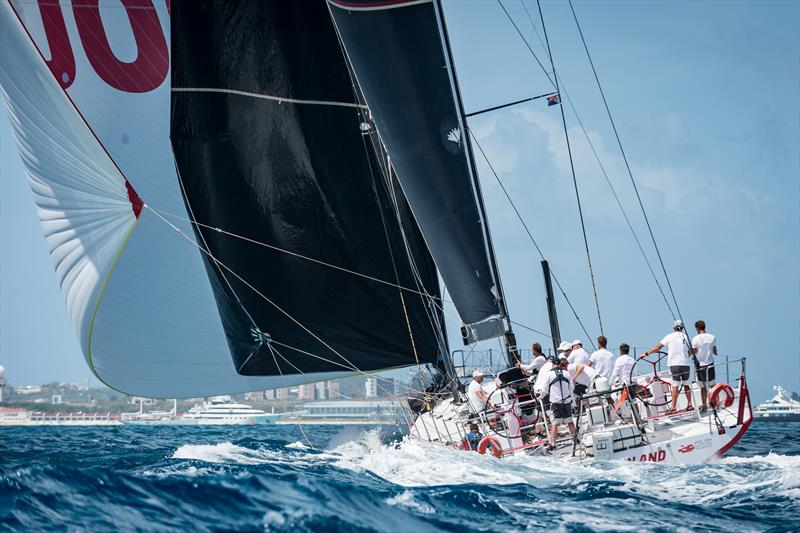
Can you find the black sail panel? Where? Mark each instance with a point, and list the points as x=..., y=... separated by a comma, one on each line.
x=265, y=131
x=397, y=53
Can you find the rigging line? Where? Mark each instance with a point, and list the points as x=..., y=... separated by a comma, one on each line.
x=572, y=168
x=523, y=326
x=205, y=243
x=289, y=252
x=351, y=366
x=530, y=235
x=272, y=352
x=625, y=159
x=391, y=253
x=368, y=374
x=254, y=289
x=619, y=204
x=513, y=23
x=602, y=168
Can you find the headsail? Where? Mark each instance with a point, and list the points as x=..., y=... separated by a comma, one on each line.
x=87, y=90
x=267, y=139
x=400, y=57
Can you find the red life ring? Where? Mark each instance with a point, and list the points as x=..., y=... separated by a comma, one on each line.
x=485, y=442
x=727, y=396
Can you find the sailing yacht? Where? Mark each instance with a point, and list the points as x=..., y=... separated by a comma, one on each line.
x=269, y=195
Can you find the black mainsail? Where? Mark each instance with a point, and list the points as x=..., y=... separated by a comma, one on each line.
x=399, y=53
x=266, y=135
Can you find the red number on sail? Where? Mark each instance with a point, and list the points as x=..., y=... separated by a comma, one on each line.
x=151, y=65
x=62, y=61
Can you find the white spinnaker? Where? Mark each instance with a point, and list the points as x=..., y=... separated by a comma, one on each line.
x=137, y=293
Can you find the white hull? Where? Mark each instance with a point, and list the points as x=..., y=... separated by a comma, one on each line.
x=683, y=438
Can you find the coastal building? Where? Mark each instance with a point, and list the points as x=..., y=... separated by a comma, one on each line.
x=371, y=388
x=321, y=390
x=282, y=394
x=306, y=392
x=254, y=396
x=334, y=390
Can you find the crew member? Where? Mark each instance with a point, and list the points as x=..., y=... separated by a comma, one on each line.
x=538, y=360
x=582, y=376
x=602, y=360
x=474, y=436
x=677, y=346
x=559, y=387
x=578, y=355
x=704, y=346
x=477, y=396
x=621, y=375
x=538, y=386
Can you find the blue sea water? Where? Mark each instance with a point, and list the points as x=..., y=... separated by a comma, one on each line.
x=360, y=479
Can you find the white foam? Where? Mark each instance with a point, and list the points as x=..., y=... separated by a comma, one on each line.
x=406, y=499
x=224, y=452
x=297, y=445
x=412, y=463
x=228, y=453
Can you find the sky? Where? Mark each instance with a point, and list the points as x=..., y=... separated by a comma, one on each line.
x=706, y=99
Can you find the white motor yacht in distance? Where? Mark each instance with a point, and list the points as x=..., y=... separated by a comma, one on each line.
x=222, y=410
x=781, y=408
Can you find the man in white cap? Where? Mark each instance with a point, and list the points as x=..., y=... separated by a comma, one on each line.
x=558, y=385
x=477, y=396
x=578, y=356
x=677, y=346
x=538, y=386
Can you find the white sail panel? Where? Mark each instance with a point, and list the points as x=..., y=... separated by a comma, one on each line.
x=90, y=109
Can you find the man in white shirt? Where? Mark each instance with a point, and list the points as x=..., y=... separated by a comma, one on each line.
x=538, y=360
x=578, y=354
x=558, y=385
x=602, y=360
x=477, y=396
x=582, y=377
x=704, y=346
x=538, y=386
x=677, y=346
x=622, y=367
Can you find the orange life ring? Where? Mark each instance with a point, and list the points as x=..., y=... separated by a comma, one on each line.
x=727, y=396
x=485, y=442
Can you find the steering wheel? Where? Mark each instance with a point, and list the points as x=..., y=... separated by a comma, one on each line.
x=497, y=428
x=653, y=359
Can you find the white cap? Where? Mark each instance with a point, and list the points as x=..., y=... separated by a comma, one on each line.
x=564, y=346
x=477, y=374
x=577, y=341
x=678, y=324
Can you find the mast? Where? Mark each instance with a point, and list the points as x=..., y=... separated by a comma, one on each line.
x=511, y=345
x=555, y=334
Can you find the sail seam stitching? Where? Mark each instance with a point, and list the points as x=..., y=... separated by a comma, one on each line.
x=279, y=99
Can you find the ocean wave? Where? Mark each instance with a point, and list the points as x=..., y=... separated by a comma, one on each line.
x=155, y=479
